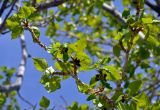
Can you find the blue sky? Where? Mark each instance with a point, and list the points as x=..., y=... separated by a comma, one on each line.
x=31, y=89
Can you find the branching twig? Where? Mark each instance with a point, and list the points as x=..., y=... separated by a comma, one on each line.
x=114, y=12
x=118, y=15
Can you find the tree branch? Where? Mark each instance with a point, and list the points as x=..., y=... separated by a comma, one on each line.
x=49, y=4
x=114, y=12
x=118, y=15
x=156, y=8
x=3, y=7
x=4, y=21
x=20, y=73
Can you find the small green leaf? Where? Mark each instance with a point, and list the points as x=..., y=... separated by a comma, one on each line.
x=1, y=77
x=147, y=20
x=74, y=106
x=122, y=106
x=65, y=57
x=90, y=97
x=51, y=84
x=25, y=12
x=16, y=32
x=116, y=50
x=143, y=53
x=2, y=99
x=107, y=85
x=82, y=87
x=44, y=102
x=40, y=64
x=93, y=81
x=84, y=60
x=113, y=73
x=117, y=94
x=126, y=13
x=142, y=100
x=105, y=60
x=134, y=86
x=12, y=24
x=11, y=71
x=84, y=107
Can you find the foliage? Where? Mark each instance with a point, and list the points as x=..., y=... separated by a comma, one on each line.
x=117, y=47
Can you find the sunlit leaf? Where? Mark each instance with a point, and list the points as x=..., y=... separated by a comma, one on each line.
x=40, y=64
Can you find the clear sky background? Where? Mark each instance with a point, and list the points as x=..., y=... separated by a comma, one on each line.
x=31, y=89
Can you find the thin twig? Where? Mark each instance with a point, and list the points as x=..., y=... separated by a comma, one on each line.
x=118, y=15
x=36, y=38
x=154, y=7
x=26, y=101
x=64, y=100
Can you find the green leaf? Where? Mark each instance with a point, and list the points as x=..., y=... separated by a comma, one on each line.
x=147, y=20
x=10, y=72
x=65, y=57
x=78, y=46
x=133, y=106
x=105, y=60
x=122, y=106
x=85, y=60
x=40, y=64
x=143, y=53
x=1, y=77
x=82, y=87
x=142, y=100
x=74, y=106
x=126, y=13
x=25, y=12
x=12, y=22
x=113, y=73
x=153, y=41
x=107, y=85
x=117, y=94
x=156, y=106
x=126, y=2
x=93, y=81
x=90, y=97
x=16, y=32
x=116, y=50
x=84, y=107
x=44, y=102
x=135, y=86
x=2, y=99
x=51, y=84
